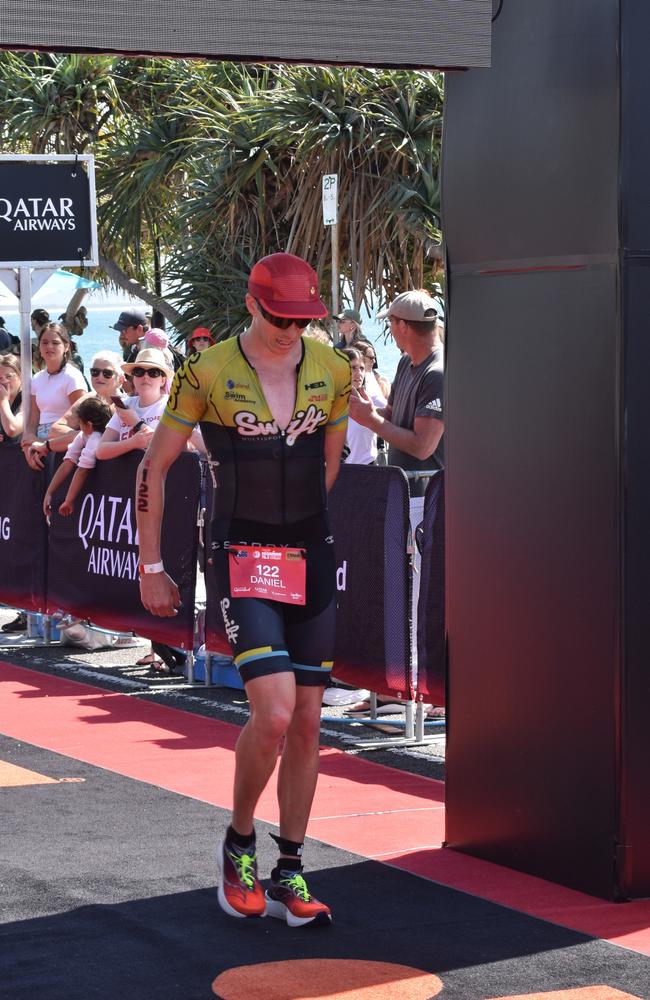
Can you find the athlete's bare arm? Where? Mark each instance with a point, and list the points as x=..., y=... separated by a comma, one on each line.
x=158, y=592
x=334, y=442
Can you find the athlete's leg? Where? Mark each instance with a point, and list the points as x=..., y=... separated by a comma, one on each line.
x=272, y=700
x=310, y=634
x=299, y=763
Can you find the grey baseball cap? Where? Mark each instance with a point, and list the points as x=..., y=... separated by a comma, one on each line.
x=415, y=307
x=350, y=314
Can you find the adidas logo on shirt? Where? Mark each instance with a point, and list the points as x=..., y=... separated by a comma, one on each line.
x=436, y=405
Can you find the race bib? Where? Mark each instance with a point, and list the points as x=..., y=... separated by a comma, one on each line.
x=276, y=574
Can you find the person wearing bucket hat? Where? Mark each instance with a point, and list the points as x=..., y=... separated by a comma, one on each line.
x=349, y=324
x=199, y=340
x=272, y=405
x=150, y=373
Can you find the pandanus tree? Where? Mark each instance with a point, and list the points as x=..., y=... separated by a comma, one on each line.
x=203, y=167
x=259, y=184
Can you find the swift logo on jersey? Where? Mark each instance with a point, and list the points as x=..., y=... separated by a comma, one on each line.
x=305, y=422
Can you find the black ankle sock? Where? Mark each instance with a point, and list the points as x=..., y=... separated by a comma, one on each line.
x=239, y=839
x=291, y=848
x=286, y=865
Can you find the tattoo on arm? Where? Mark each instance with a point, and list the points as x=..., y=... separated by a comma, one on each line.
x=143, y=488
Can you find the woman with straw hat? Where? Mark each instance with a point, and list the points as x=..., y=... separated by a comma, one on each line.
x=151, y=375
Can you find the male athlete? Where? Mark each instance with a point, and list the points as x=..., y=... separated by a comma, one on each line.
x=273, y=407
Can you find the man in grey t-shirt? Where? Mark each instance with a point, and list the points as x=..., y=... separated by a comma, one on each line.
x=412, y=420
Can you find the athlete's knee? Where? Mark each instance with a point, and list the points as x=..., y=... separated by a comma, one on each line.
x=304, y=726
x=270, y=722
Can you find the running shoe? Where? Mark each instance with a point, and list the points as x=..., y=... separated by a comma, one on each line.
x=288, y=898
x=17, y=624
x=240, y=892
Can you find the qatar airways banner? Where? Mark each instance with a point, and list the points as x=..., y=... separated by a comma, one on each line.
x=431, y=601
x=23, y=532
x=93, y=553
x=47, y=211
x=369, y=516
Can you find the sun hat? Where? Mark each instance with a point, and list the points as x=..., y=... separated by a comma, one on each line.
x=415, y=307
x=286, y=286
x=150, y=357
x=349, y=314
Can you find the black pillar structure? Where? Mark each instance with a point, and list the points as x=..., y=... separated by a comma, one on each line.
x=546, y=203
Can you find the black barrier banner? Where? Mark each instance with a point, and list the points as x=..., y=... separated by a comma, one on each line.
x=23, y=532
x=369, y=512
x=45, y=212
x=431, y=600
x=93, y=553
x=369, y=515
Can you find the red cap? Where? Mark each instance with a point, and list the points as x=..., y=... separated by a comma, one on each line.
x=200, y=331
x=286, y=286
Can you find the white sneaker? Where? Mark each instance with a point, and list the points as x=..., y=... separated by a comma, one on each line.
x=343, y=696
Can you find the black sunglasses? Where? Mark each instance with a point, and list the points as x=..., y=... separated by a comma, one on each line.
x=284, y=322
x=152, y=372
x=106, y=372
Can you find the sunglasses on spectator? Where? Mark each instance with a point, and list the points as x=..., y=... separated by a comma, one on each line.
x=284, y=322
x=151, y=372
x=106, y=372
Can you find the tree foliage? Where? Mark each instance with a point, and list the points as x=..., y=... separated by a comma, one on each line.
x=204, y=167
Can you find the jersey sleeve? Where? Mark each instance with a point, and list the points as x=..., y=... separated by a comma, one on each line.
x=338, y=417
x=429, y=401
x=188, y=397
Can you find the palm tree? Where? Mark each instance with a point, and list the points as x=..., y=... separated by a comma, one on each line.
x=258, y=185
x=204, y=167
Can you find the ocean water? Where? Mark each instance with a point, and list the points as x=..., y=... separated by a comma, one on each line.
x=99, y=334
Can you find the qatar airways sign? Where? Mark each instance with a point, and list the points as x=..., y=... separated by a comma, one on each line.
x=47, y=211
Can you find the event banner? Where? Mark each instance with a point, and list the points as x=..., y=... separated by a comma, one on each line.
x=23, y=532
x=369, y=517
x=93, y=553
x=369, y=512
x=46, y=212
x=431, y=601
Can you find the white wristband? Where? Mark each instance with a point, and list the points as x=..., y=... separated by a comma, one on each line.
x=151, y=568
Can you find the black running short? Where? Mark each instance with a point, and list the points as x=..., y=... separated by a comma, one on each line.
x=268, y=637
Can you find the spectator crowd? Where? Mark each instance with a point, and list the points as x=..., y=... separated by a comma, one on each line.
x=117, y=409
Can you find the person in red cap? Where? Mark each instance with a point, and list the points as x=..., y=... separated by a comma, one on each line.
x=199, y=340
x=273, y=409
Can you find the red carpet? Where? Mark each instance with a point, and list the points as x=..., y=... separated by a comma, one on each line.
x=372, y=810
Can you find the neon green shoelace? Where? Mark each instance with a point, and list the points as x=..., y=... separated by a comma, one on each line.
x=244, y=864
x=299, y=886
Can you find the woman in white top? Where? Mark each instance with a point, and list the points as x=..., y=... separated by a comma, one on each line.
x=106, y=377
x=55, y=388
x=151, y=375
x=361, y=441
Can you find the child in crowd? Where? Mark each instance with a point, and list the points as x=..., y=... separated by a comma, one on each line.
x=94, y=414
